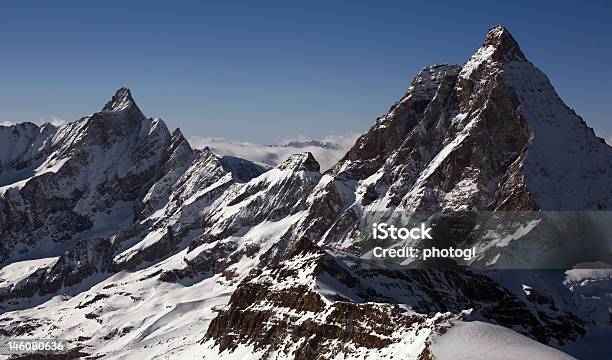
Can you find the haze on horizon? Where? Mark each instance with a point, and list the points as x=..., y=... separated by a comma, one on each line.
x=271, y=71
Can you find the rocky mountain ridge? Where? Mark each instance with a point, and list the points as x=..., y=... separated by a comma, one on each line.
x=119, y=236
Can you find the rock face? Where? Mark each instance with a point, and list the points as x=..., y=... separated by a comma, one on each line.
x=331, y=304
x=118, y=235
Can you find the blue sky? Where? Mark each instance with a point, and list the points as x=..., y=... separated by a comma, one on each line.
x=265, y=71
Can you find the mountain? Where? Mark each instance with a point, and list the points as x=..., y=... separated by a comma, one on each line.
x=119, y=236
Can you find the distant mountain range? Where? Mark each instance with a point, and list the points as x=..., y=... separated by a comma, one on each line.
x=119, y=236
x=327, y=151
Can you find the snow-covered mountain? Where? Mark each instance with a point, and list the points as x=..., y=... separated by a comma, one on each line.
x=120, y=237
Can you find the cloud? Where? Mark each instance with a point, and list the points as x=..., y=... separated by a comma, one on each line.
x=327, y=150
x=55, y=120
x=606, y=137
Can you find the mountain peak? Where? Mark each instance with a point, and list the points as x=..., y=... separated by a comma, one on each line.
x=177, y=138
x=506, y=47
x=177, y=133
x=499, y=47
x=301, y=162
x=122, y=100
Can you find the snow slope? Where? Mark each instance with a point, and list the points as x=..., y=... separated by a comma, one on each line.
x=481, y=341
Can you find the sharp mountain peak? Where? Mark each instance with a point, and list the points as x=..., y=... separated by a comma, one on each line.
x=506, y=47
x=122, y=100
x=303, y=161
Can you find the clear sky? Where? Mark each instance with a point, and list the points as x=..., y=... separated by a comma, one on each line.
x=263, y=71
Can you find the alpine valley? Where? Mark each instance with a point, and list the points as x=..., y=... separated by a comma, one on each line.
x=118, y=236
